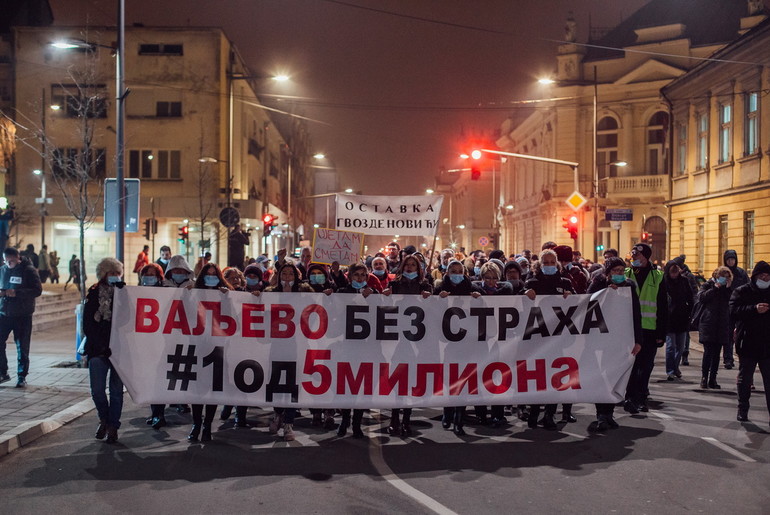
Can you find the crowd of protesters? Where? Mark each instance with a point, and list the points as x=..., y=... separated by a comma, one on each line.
x=729, y=310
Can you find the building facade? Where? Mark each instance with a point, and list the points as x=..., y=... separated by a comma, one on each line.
x=720, y=182
x=606, y=113
x=196, y=136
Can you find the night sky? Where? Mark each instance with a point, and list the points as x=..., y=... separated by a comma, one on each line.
x=396, y=82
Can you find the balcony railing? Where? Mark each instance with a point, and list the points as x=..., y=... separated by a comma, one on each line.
x=634, y=186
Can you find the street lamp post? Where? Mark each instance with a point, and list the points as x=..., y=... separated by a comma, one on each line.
x=43, y=200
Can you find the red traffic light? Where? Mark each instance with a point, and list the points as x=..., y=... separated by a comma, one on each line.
x=475, y=174
x=571, y=224
x=268, y=219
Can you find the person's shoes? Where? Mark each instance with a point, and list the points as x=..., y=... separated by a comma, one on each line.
x=678, y=374
x=206, y=434
x=643, y=407
x=704, y=383
x=357, y=432
x=225, y=413
x=112, y=434
x=343, y=429
x=445, y=423
x=240, y=423
x=482, y=421
x=101, y=430
x=149, y=421
x=497, y=422
x=532, y=422
x=713, y=385
x=611, y=423
x=195, y=431
x=4, y=378
x=598, y=426
x=329, y=423
x=568, y=417
x=21, y=383
x=670, y=377
x=182, y=408
x=288, y=432
x=743, y=415
x=275, y=424
x=729, y=366
x=549, y=423
x=523, y=414
x=158, y=422
x=406, y=430
x=458, y=430
x=630, y=407
x=316, y=421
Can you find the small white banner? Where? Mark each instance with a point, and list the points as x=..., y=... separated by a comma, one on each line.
x=173, y=345
x=387, y=215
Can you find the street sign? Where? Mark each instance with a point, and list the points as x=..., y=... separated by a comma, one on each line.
x=576, y=200
x=229, y=217
x=111, y=205
x=619, y=215
x=483, y=241
x=40, y=200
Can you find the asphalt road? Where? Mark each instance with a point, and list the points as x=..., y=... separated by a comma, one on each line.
x=688, y=454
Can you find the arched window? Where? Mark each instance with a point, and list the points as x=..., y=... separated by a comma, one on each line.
x=607, y=147
x=657, y=143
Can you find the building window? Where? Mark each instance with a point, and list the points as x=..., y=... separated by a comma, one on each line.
x=161, y=49
x=681, y=149
x=607, y=147
x=703, y=141
x=681, y=237
x=154, y=164
x=700, y=223
x=751, y=124
x=748, y=239
x=725, y=132
x=77, y=100
x=656, y=142
x=722, y=234
x=168, y=109
x=74, y=163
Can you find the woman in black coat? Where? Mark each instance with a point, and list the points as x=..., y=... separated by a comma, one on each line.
x=680, y=297
x=410, y=280
x=714, y=326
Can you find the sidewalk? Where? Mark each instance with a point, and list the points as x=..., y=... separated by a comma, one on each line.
x=57, y=391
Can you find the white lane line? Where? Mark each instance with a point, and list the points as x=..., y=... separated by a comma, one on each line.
x=662, y=415
x=728, y=449
x=378, y=460
x=575, y=435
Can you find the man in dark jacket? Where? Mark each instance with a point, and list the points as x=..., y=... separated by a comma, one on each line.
x=694, y=286
x=749, y=307
x=19, y=286
x=740, y=277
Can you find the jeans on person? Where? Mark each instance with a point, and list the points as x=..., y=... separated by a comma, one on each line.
x=99, y=368
x=22, y=334
x=746, y=368
x=675, y=343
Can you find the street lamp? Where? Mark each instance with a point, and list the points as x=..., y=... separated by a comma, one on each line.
x=429, y=191
x=212, y=160
x=43, y=200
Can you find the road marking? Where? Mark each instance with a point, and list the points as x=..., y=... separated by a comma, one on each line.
x=662, y=415
x=378, y=460
x=728, y=449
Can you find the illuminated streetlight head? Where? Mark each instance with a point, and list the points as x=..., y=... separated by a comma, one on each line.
x=476, y=154
x=429, y=191
x=619, y=163
x=281, y=78
x=546, y=81
x=349, y=190
x=320, y=155
x=55, y=107
x=37, y=172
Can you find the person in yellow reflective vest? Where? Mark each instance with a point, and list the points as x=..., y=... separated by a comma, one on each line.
x=653, y=300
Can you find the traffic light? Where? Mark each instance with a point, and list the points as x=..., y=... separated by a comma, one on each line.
x=184, y=233
x=148, y=229
x=647, y=237
x=571, y=224
x=599, y=248
x=492, y=239
x=268, y=220
x=475, y=174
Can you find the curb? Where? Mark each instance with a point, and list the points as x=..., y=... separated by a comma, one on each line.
x=31, y=431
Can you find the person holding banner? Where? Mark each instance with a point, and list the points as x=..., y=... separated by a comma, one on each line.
x=237, y=280
x=288, y=280
x=254, y=275
x=151, y=274
x=490, y=284
x=614, y=277
x=97, y=326
x=210, y=278
x=380, y=272
x=178, y=273
x=546, y=280
x=358, y=274
x=455, y=282
x=410, y=280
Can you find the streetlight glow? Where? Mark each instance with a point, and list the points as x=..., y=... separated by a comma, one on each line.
x=429, y=191
x=320, y=155
x=37, y=172
x=476, y=154
x=281, y=78
x=546, y=81
x=349, y=190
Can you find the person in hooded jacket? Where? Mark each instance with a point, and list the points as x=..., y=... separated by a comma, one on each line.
x=750, y=308
x=289, y=280
x=714, y=327
x=687, y=274
x=97, y=326
x=455, y=282
x=210, y=278
x=614, y=277
x=151, y=275
x=680, y=305
x=546, y=280
x=740, y=277
x=410, y=280
x=513, y=275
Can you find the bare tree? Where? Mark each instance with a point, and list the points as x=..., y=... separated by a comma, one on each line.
x=77, y=172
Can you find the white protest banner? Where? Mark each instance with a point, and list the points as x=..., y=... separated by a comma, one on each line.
x=386, y=215
x=344, y=247
x=311, y=350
